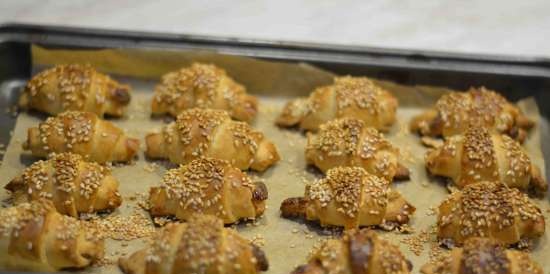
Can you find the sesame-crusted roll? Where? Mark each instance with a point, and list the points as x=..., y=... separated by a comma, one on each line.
x=202, y=245
x=455, y=112
x=482, y=255
x=71, y=183
x=211, y=133
x=349, y=142
x=208, y=186
x=350, y=197
x=355, y=97
x=81, y=133
x=479, y=155
x=75, y=87
x=489, y=209
x=35, y=237
x=203, y=86
x=357, y=252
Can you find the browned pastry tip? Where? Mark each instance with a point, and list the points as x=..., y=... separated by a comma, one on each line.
x=121, y=94
x=293, y=207
x=260, y=192
x=261, y=260
x=402, y=173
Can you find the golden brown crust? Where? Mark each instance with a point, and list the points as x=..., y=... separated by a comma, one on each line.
x=349, y=142
x=81, y=133
x=483, y=255
x=208, y=186
x=489, y=209
x=74, y=185
x=202, y=245
x=34, y=237
x=354, y=97
x=75, y=87
x=455, y=112
x=479, y=155
x=203, y=86
x=358, y=252
x=211, y=133
x=350, y=197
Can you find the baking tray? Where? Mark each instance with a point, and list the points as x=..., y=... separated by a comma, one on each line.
x=515, y=77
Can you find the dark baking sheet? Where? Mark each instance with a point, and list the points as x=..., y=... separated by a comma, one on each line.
x=515, y=77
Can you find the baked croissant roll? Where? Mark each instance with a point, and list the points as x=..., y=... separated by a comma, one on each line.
x=357, y=252
x=350, y=197
x=482, y=255
x=35, y=237
x=208, y=186
x=479, y=155
x=203, y=86
x=202, y=245
x=81, y=133
x=455, y=112
x=75, y=87
x=212, y=133
x=72, y=184
x=356, y=97
x=489, y=209
x=349, y=142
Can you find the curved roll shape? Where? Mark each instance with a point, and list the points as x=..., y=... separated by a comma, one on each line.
x=202, y=245
x=211, y=133
x=35, y=237
x=203, y=86
x=353, y=97
x=75, y=87
x=349, y=142
x=81, y=133
x=350, y=197
x=455, y=112
x=489, y=209
x=72, y=184
x=357, y=252
x=479, y=155
x=482, y=255
x=208, y=186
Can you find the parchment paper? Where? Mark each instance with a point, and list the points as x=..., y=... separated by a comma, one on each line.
x=286, y=242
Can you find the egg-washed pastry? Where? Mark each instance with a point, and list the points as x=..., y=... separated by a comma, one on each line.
x=35, y=237
x=454, y=112
x=208, y=186
x=489, y=209
x=82, y=133
x=203, y=86
x=350, y=197
x=479, y=155
x=211, y=133
x=347, y=97
x=75, y=87
x=73, y=185
x=201, y=245
x=357, y=252
x=482, y=255
x=349, y=142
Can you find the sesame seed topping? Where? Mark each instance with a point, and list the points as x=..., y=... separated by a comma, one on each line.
x=199, y=86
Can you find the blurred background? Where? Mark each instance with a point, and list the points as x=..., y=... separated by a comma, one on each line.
x=490, y=26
